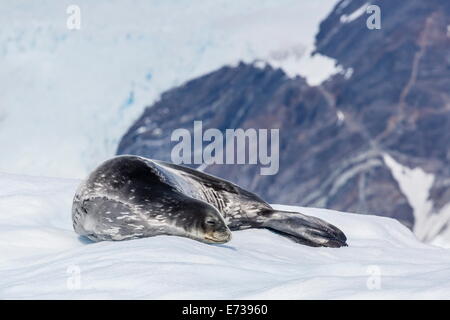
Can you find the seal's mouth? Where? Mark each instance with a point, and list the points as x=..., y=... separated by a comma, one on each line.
x=223, y=239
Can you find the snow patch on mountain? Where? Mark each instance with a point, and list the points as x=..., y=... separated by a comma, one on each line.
x=67, y=96
x=355, y=14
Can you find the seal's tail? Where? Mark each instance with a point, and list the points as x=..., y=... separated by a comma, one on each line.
x=307, y=230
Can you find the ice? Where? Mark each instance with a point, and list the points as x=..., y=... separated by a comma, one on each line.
x=42, y=257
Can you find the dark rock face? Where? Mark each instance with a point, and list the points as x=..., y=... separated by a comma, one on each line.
x=332, y=137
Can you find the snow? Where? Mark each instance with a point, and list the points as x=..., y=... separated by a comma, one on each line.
x=415, y=184
x=41, y=257
x=343, y=5
x=67, y=96
x=340, y=116
x=437, y=224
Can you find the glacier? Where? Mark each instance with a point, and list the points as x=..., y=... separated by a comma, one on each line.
x=41, y=257
x=67, y=96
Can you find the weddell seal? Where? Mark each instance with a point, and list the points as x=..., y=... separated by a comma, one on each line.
x=131, y=197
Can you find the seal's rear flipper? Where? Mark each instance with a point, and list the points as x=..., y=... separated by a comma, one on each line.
x=307, y=230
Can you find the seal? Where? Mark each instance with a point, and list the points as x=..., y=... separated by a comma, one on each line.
x=131, y=197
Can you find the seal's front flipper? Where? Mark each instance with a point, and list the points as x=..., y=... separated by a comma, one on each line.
x=307, y=230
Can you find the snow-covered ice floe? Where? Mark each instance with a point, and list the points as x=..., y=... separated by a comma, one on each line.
x=41, y=257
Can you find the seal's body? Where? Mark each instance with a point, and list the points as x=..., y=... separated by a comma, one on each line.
x=131, y=197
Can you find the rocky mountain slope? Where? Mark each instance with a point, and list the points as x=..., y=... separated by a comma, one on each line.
x=373, y=139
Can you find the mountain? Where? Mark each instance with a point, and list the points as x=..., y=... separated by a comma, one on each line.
x=43, y=258
x=373, y=138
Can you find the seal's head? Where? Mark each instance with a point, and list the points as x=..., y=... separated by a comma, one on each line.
x=203, y=222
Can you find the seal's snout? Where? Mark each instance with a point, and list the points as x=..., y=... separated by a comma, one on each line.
x=219, y=236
